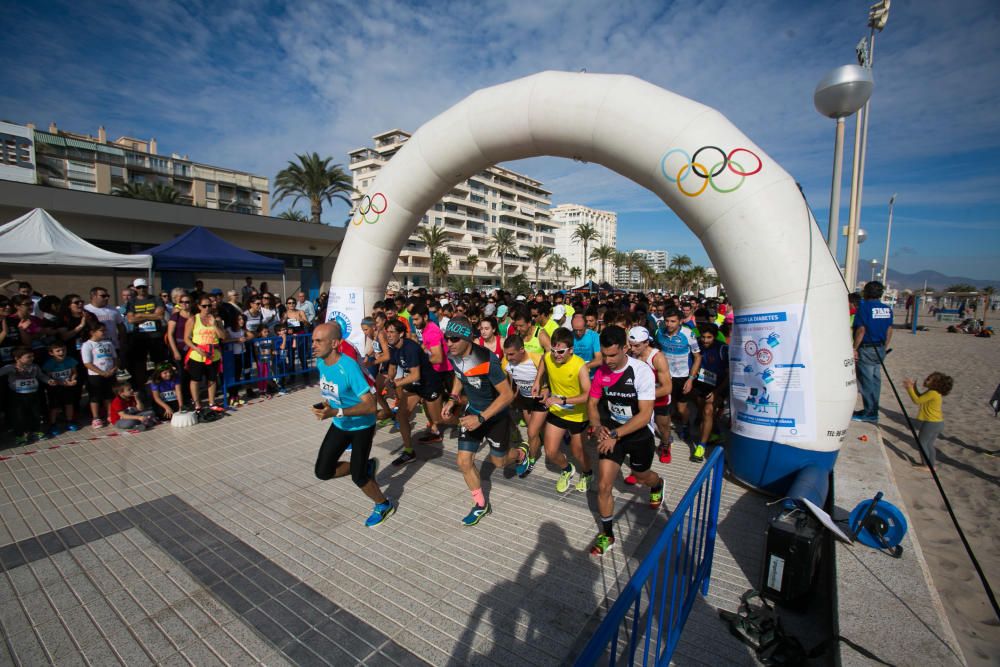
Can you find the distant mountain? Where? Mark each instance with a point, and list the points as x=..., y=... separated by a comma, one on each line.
x=934, y=280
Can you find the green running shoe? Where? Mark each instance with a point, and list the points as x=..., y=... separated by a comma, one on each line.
x=562, y=484
x=477, y=513
x=583, y=485
x=655, y=498
x=602, y=545
x=699, y=453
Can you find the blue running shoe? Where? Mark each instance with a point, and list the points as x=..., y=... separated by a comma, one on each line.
x=381, y=512
x=525, y=465
x=477, y=513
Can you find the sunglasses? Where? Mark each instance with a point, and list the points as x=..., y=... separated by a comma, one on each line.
x=289, y=303
x=452, y=339
x=187, y=301
x=562, y=351
x=204, y=305
x=78, y=302
x=105, y=295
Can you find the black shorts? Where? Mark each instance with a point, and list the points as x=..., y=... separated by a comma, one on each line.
x=574, y=428
x=661, y=410
x=639, y=447
x=100, y=388
x=529, y=404
x=427, y=393
x=447, y=380
x=60, y=395
x=335, y=444
x=677, y=392
x=495, y=432
x=198, y=370
x=702, y=389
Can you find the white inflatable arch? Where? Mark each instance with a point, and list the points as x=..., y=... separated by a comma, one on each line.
x=747, y=211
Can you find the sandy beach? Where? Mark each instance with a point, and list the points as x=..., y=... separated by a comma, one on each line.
x=967, y=464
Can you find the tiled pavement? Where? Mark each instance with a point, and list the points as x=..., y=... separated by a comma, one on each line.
x=215, y=544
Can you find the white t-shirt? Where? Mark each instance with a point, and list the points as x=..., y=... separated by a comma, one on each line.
x=99, y=353
x=110, y=318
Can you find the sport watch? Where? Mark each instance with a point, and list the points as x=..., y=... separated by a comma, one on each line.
x=340, y=412
x=613, y=433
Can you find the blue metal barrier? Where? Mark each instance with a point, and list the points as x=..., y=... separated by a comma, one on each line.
x=664, y=586
x=267, y=361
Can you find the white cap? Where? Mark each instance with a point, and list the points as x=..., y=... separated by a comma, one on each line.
x=559, y=312
x=520, y=297
x=638, y=335
x=140, y=282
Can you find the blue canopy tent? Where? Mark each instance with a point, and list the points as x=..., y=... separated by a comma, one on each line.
x=200, y=251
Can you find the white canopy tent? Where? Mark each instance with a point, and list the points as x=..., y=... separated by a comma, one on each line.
x=38, y=238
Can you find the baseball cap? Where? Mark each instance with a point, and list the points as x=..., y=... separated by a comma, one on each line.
x=559, y=312
x=489, y=309
x=140, y=282
x=520, y=297
x=459, y=327
x=216, y=291
x=638, y=334
x=502, y=311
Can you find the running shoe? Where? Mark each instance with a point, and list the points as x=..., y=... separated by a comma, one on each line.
x=54, y=432
x=72, y=426
x=40, y=435
x=864, y=419
x=384, y=422
x=217, y=408
x=431, y=437
x=664, y=453
x=20, y=440
x=699, y=453
x=372, y=468
x=656, y=498
x=97, y=423
x=631, y=480
x=715, y=438
x=477, y=513
x=562, y=484
x=404, y=458
x=381, y=512
x=583, y=485
x=525, y=464
x=602, y=545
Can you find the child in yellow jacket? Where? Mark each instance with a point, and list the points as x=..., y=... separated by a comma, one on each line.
x=930, y=419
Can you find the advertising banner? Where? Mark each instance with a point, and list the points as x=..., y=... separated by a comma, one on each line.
x=772, y=384
x=346, y=306
x=17, y=153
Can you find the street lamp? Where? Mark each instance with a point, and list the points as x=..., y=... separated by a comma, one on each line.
x=874, y=264
x=838, y=95
x=888, y=234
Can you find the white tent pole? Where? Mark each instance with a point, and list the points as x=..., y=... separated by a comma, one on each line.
x=284, y=292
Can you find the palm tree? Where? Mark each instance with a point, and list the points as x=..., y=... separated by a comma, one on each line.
x=557, y=264
x=156, y=192
x=502, y=243
x=697, y=276
x=292, y=214
x=680, y=262
x=603, y=254
x=591, y=273
x=536, y=254
x=575, y=273
x=473, y=261
x=584, y=233
x=315, y=179
x=433, y=237
x=440, y=263
x=619, y=260
x=632, y=262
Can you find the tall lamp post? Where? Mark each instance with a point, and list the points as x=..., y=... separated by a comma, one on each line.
x=838, y=95
x=888, y=235
x=878, y=15
x=874, y=264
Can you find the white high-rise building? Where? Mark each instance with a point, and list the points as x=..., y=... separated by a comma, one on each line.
x=571, y=216
x=495, y=198
x=657, y=259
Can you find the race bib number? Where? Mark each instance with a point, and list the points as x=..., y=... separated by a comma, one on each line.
x=524, y=387
x=169, y=395
x=148, y=327
x=329, y=391
x=620, y=413
x=25, y=385
x=62, y=376
x=708, y=377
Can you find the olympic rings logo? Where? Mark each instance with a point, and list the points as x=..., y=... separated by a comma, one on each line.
x=708, y=176
x=370, y=209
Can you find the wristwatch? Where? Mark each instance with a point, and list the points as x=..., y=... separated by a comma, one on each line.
x=482, y=420
x=340, y=412
x=613, y=433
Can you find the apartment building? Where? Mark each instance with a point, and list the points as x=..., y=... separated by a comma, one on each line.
x=571, y=216
x=93, y=164
x=659, y=260
x=493, y=199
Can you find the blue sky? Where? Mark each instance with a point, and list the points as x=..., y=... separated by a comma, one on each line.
x=248, y=84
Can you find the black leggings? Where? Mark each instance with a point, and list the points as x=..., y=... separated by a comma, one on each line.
x=335, y=443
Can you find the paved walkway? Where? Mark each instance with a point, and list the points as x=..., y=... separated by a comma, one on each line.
x=215, y=544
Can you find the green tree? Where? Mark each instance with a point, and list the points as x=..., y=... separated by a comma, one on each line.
x=558, y=265
x=680, y=262
x=961, y=287
x=473, y=261
x=292, y=214
x=502, y=243
x=632, y=261
x=584, y=233
x=314, y=179
x=619, y=260
x=575, y=273
x=433, y=237
x=591, y=273
x=696, y=276
x=519, y=284
x=603, y=254
x=160, y=192
x=440, y=263
x=536, y=254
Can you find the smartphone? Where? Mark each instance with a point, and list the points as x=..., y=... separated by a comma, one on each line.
x=319, y=406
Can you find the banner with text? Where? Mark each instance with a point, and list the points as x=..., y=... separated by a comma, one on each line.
x=772, y=385
x=346, y=306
